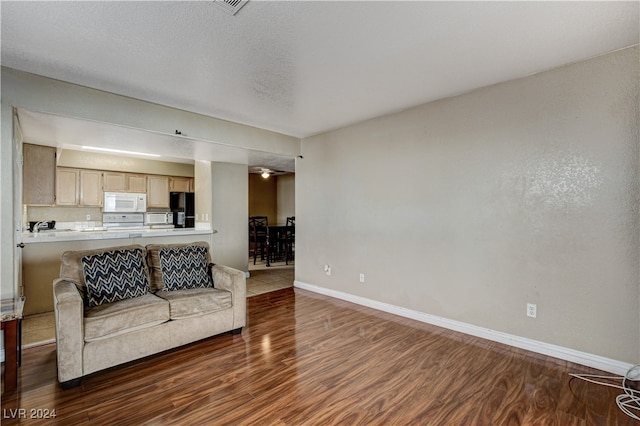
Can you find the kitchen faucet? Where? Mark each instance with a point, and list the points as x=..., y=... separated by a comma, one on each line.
x=36, y=227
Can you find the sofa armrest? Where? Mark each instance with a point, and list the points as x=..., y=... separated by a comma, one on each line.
x=234, y=281
x=69, y=312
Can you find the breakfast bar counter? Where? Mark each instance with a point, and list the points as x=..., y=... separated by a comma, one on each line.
x=42, y=251
x=102, y=234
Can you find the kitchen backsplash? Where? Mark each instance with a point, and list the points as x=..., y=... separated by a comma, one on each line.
x=64, y=214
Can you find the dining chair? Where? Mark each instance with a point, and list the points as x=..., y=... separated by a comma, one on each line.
x=289, y=239
x=258, y=232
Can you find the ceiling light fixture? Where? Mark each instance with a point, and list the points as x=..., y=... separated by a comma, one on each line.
x=118, y=151
x=265, y=174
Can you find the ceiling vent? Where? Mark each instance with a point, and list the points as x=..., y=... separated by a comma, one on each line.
x=230, y=6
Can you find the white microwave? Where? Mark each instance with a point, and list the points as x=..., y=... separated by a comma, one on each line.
x=124, y=202
x=158, y=218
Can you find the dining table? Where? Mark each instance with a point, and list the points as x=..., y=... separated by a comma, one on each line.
x=275, y=243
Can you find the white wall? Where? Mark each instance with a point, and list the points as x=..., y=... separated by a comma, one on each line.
x=469, y=207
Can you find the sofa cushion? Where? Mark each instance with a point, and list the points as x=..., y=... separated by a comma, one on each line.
x=196, y=301
x=71, y=264
x=115, y=275
x=184, y=267
x=123, y=316
x=153, y=260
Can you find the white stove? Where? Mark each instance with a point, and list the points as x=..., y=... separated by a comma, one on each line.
x=123, y=221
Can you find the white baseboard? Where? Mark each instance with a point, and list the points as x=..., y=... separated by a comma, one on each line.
x=567, y=354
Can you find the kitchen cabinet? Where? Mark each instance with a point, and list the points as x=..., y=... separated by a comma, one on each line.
x=158, y=191
x=181, y=184
x=38, y=174
x=114, y=182
x=67, y=187
x=91, y=192
x=124, y=182
x=136, y=183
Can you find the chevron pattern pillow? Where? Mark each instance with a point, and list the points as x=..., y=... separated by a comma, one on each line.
x=184, y=267
x=114, y=275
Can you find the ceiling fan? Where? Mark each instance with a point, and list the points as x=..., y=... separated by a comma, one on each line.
x=265, y=172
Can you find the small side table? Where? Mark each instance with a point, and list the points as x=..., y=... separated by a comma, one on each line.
x=11, y=317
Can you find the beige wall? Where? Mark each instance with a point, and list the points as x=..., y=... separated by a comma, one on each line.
x=263, y=197
x=273, y=197
x=202, y=181
x=119, y=163
x=63, y=213
x=468, y=208
x=229, y=216
x=286, y=197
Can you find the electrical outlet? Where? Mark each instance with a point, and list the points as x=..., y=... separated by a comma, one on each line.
x=88, y=217
x=327, y=269
x=532, y=310
x=361, y=278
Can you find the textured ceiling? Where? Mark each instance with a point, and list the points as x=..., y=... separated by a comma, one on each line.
x=302, y=68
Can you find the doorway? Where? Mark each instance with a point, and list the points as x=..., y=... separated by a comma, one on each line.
x=274, y=198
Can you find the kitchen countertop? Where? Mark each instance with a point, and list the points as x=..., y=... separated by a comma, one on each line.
x=101, y=234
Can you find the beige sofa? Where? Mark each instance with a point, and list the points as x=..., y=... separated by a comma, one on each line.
x=106, y=317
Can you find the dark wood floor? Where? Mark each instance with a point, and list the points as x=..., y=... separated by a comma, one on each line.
x=306, y=359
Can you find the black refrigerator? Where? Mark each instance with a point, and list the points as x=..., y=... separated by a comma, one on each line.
x=183, y=207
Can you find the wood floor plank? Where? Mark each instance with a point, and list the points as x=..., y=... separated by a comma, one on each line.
x=307, y=359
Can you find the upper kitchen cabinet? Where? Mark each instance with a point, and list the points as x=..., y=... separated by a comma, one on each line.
x=67, y=187
x=91, y=193
x=124, y=182
x=136, y=183
x=114, y=182
x=181, y=184
x=38, y=174
x=158, y=191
